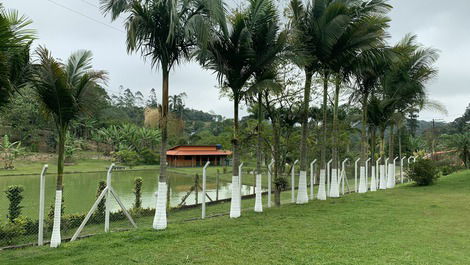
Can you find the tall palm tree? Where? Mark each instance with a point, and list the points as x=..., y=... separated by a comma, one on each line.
x=61, y=89
x=268, y=42
x=15, y=42
x=165, y=32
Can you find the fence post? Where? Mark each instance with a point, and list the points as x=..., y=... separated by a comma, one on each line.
x=355, y=174
x=312, y=179
x=377, y=171
x=293, y=181
x=269, y=182
x=401, y=169
x=394, y=169
x=217, y=185
x=328, y=177
x=203, y=215
x=367, y=171
x=343, y=175
x=42, y=184
x=108, y=199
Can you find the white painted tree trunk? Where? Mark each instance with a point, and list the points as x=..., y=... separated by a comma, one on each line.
x=302, y=195
x=321, y=194
x=159, y=221
x=391, y=176
x=362, y=180
x=312, y=182
x=236, y=199
x=258, y=200
x=373, y=183
x=383, y=183
x=334, y=187
x=55, y=238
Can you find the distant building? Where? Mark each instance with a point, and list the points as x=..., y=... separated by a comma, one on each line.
x=197, y=156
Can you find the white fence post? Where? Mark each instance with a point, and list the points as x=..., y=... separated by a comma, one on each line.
x=203, y=214
x=42, y=184
x=270, y=166
x=355, y=174
x=293, y=181
x=367, y=172
x=312, y=179
x=343, y=174
x=377, y=171
x=108, y=199
x=401, y=169
x=328, y=177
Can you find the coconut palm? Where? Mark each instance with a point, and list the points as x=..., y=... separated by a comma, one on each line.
x=164, y=31
x=15, y=42
x=60, y=89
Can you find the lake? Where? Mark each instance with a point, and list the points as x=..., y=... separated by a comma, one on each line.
x=80, y=190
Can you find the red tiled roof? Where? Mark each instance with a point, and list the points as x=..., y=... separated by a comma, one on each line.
x=197, y=152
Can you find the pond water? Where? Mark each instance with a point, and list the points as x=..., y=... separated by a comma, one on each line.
x=80, y=190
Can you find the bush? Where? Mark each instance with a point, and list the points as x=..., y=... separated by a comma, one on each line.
x=128, y=157
x=9, y=231
x=15, y=198
x=149, y=157
x=424, y=172
x=138, y=193
x=28, y=225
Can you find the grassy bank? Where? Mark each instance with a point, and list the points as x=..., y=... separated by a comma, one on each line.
x=406, y=225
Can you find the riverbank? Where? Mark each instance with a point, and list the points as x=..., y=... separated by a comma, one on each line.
x=406, y=225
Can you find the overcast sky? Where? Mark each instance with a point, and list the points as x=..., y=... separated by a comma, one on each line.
x=444, y=26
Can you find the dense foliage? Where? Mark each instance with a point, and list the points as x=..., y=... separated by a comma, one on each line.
x=424, y=172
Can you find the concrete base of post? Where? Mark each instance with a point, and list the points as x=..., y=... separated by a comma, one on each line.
x=362, y=180
x=334, y=187
x=391, y=177
x=302, y=195
x=236, y=199
x=383, y=181
x=321, y=194
x=258, y=199
x=55, y=238
x=159, y=220
x=373, y=183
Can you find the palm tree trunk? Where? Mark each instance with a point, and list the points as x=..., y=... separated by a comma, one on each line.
x=277, y=162
x=235, y=203
x=302, y=196
x=55, y=237
x=160, y=220
x=335, y=122
x=259, y=138
x=391, y=151
x=363, y=129
x=372, y=142
x=325, y=101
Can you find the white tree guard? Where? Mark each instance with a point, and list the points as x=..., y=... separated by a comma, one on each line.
x=302, y=195
x=383, y=183
x=362, y=180
x=258, y=199
x=334, y=187
x=159, y=221
x=55, y=238
x=321, y=194
x=236, y=200
x=373, y=184
x=391, y=176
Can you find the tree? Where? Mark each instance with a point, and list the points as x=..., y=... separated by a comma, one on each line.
x=15, y=42
x=165, y=31
x=60, y=89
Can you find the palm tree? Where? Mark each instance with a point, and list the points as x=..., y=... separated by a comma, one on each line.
x=230, y=53
x=61, y=89
x=268, y=42
x=15, y=42
x=164, y=31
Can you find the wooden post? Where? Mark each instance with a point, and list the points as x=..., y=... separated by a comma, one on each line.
x=217, y=185
x=196, y=185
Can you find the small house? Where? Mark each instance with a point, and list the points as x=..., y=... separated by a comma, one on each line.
x=197, y=156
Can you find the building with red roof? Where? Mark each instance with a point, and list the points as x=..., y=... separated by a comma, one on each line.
x=197, y=155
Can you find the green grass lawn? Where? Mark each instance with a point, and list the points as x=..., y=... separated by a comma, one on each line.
x=406, y=225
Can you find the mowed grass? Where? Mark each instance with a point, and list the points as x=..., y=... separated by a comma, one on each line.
x=406, y=225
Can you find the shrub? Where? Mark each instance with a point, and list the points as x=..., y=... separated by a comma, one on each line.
x=128, y=157
x=9, y=231
x=15, y=198
x=149, y=157
x=424, y=172
x=138, y=193
x=100, y=210
x=71, y=220
x=28, y=225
